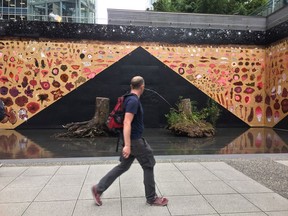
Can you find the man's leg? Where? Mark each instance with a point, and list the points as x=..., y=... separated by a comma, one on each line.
x=110, y=177
x=147, y=161
x=144, y=155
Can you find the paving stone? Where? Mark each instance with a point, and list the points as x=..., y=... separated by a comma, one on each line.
x=200, y=175
x=165, y=167
x=174, y=189
x=67, y=180
x=41, y=171
x=73, y=170
x=12, y=171
x=13, y=209
x=30, y=181
x=132, y=190
x=110, y=207
x=268, y=201
x=112, y=192
x=56, y=193
x=189, y=205
x=169, y=176
x=96, y=172
x=213, y=187
x=189, y=166
x=277, y=213
x=246, y=214
x=138, y=206
x=283, y=162
x=4, y=181
x=231, y=175
x=9, y=195
x=60, y=208
x=231, y=203
x=216, y=166
x=248, y=187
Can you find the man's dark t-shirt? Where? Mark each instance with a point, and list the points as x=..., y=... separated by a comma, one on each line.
x=133, y=105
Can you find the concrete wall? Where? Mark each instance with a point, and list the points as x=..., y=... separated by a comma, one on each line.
x=185, y=20
x=278, y=17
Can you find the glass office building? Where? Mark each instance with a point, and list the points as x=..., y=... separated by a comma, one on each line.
x=13, y=9
x=80, y=11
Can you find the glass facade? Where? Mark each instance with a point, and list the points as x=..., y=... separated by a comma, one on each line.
x=13, y=9
x=80, y=11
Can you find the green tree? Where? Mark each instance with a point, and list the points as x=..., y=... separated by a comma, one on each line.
x=241, y=7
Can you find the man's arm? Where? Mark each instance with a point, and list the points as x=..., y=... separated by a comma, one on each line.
x=128, y=118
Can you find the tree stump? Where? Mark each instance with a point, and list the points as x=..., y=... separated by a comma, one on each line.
x=185, y=106
x=92, y=128
x=189, y=125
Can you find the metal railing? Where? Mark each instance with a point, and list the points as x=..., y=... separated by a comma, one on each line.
x=47, y=18
x=270, y=7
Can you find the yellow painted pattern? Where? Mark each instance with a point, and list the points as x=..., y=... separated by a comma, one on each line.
x=35, y=74
x=249, y=81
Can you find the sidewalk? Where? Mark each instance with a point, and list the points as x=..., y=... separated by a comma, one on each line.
x=193, y=188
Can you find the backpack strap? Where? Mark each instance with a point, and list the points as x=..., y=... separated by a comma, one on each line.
x=127, y=95
x=120, y=132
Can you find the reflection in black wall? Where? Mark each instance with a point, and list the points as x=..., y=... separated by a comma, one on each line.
x=283, y=124
x=79, y=105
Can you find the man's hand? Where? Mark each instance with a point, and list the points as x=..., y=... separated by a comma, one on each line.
x=126, y=151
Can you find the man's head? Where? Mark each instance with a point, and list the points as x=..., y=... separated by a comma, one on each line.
x=138, y=84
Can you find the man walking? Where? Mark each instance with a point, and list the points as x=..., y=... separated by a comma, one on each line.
x=134, y=147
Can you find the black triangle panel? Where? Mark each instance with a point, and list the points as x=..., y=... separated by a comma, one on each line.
x=283, y=124
x=79, y=105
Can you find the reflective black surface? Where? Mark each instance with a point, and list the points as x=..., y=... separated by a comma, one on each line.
x=37, y=29
x=41, y=144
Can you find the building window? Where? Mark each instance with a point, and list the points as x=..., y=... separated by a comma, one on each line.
x=82, y=11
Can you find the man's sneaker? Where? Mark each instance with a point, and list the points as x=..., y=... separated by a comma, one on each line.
x=96, y=196
x=159, y=201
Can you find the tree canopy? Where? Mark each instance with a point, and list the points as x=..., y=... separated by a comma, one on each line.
x=240, y=7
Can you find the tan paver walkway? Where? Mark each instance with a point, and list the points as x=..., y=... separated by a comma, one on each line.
x=193, y=188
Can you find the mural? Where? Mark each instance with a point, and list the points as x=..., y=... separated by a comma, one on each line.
x=232, y=76
x=276, y=89
x=256, y=140
x=33, y=75
x=236, y=77
x=248, y=81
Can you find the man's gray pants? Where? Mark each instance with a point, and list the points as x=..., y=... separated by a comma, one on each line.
x=142, y=151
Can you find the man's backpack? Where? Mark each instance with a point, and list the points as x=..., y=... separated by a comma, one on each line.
x=2, y=110
x=116, y=118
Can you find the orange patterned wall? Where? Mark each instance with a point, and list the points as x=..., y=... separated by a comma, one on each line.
x=34, y=74
x=276, y=89
x=232, y=76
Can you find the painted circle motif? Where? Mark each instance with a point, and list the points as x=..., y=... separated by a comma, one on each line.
x=181, y=71
x=33, y=107
x=55, y=71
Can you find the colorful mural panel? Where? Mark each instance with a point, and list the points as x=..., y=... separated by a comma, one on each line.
x=232, y=76
x=276, y=89
x=250, y=82
x=35, y=74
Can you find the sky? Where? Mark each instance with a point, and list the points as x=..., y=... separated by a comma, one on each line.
x=102, y=6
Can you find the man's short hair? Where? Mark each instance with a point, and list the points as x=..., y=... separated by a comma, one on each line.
x=137, y=82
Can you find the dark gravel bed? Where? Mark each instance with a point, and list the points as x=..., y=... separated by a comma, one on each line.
x=267, y=172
